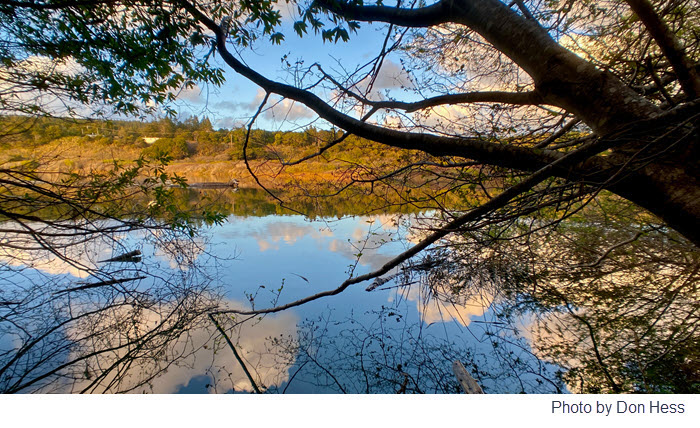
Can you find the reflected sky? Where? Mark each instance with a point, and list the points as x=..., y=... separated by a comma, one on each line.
x=321, y=251
x=275, y=260
x=307, y=255
x=200, y=354
x=21, y=250
x=294, y=249
x=460, y=310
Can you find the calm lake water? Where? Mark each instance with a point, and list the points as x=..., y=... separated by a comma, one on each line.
x=393, y=339
x=357, y=341
x=78, y=320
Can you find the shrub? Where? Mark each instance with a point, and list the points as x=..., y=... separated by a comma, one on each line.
x=175, y=148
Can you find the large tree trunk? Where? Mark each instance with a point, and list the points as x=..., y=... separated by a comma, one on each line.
x=657, y=171
x=664, y=183
x=670, y=193
x=668, y=188
x=562, y=78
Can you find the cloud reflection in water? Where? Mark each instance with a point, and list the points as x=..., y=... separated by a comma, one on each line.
x=196, y=353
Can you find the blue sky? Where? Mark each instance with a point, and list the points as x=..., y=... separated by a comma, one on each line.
x=234, y=103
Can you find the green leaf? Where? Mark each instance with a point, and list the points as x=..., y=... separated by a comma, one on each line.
x=277, y=38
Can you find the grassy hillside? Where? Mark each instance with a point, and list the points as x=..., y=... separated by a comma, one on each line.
x=197, y=151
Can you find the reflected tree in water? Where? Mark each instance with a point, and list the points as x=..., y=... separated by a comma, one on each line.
x=60, y=334
x=385, y=352
x=601, y=299
x=609, y=296
x=101, y=280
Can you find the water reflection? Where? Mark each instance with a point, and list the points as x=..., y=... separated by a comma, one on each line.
x=563, y=310
x=85, y=321
x=616, y=308
x=386, y=351
x=448, y=307
x=19, y=249
x=190, y=357
x=420, y=320
x=93, y=309
x=363, y=239
x=269, y=234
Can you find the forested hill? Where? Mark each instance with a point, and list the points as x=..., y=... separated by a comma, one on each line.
x=180, y=139
x=196, y=150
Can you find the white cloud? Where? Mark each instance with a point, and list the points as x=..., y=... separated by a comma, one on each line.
x=19, y=91
x=287, y=9
x=194, y=354
x=391, y=76
x=281, y=109
x=227, y=105
x=272, y=234
x=229, y=122
x=440, y=305
x=194, y=95
x=368, y=238
x=289, y=110
x=76, y=258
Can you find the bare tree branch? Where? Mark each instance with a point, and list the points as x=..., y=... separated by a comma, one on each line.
x=497, y=202
x=420, y=17
x=514, y=98
x=667, y=41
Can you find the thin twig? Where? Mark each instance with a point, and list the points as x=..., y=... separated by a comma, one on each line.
x=235, y=353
